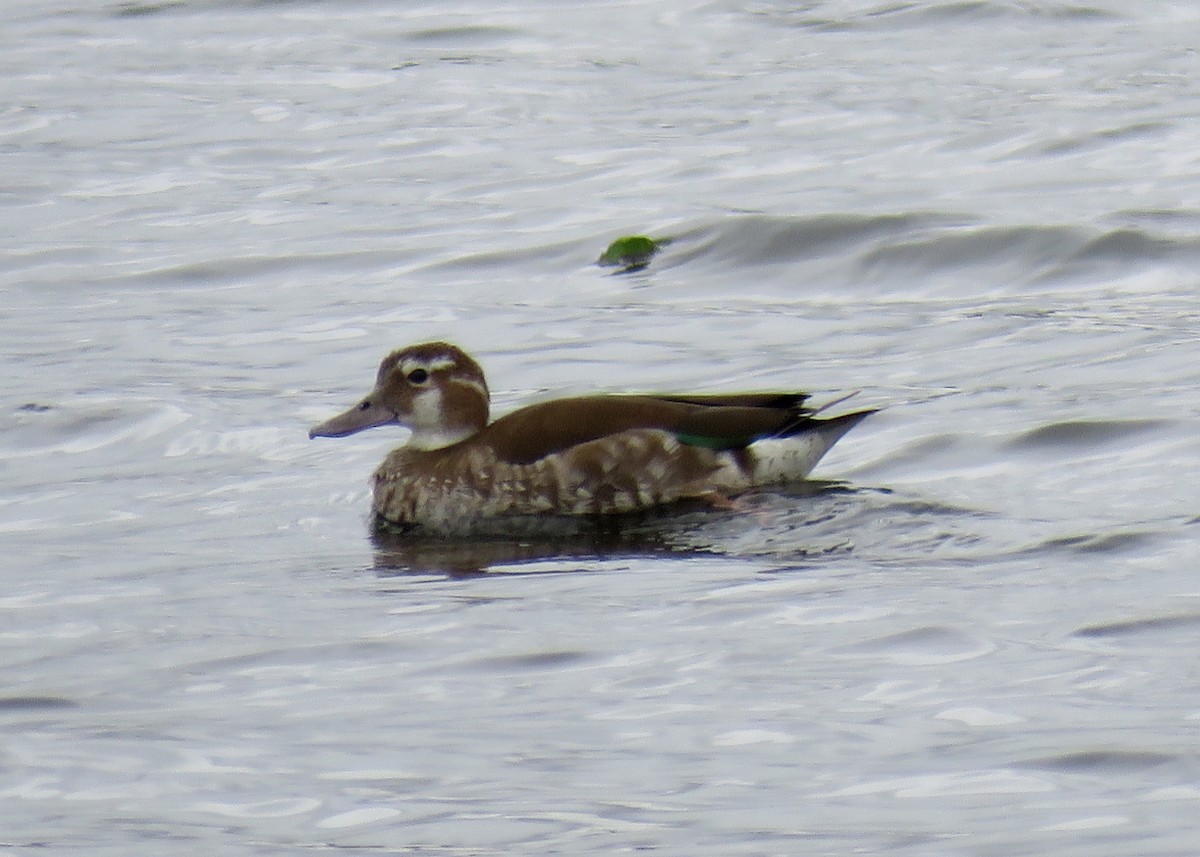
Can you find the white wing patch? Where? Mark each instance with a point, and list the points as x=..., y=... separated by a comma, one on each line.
x=787, y=459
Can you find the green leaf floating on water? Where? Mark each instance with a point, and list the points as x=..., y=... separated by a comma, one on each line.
x=631, y=252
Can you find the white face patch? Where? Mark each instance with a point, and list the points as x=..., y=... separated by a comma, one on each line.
x=426, y=410
x=430, y=429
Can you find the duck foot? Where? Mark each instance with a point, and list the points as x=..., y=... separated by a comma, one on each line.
x=717, y=500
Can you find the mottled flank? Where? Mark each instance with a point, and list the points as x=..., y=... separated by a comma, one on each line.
x=586, y=456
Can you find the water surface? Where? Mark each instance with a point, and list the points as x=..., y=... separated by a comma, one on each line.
x=973, y=640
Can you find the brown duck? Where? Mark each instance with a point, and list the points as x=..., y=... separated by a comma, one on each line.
x=582, y=456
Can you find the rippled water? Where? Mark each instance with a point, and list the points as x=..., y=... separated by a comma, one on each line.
x=974, y=638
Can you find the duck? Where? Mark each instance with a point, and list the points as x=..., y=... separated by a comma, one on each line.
x=582, y=457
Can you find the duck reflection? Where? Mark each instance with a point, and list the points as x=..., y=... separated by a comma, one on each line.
x=526, y=549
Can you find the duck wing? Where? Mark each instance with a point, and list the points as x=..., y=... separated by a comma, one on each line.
x=713, y=421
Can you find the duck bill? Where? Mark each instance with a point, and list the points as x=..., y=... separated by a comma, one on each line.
x=364, y=415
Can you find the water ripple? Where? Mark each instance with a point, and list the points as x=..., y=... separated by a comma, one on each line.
x=1107, y=761
x=1084, y=434
x=35, y=703
x=1152, y=624
x=927, y=646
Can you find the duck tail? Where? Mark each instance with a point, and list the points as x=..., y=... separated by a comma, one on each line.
x=832, y=429
x=791, y=457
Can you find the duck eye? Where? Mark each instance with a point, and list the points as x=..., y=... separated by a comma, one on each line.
x=365, y=406
x=418, y=376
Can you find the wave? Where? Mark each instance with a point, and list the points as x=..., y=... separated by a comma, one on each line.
x=1084, y=434
x=926, y=253
x=904, y=15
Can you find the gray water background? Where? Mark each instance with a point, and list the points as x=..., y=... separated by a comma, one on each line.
x=217, y=217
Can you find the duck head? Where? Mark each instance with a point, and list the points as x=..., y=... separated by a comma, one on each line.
x=433, y=389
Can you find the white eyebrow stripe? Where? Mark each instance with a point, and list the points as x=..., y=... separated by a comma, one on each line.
x=434, y=365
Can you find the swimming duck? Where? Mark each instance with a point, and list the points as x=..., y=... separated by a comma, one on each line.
x=585, y=456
